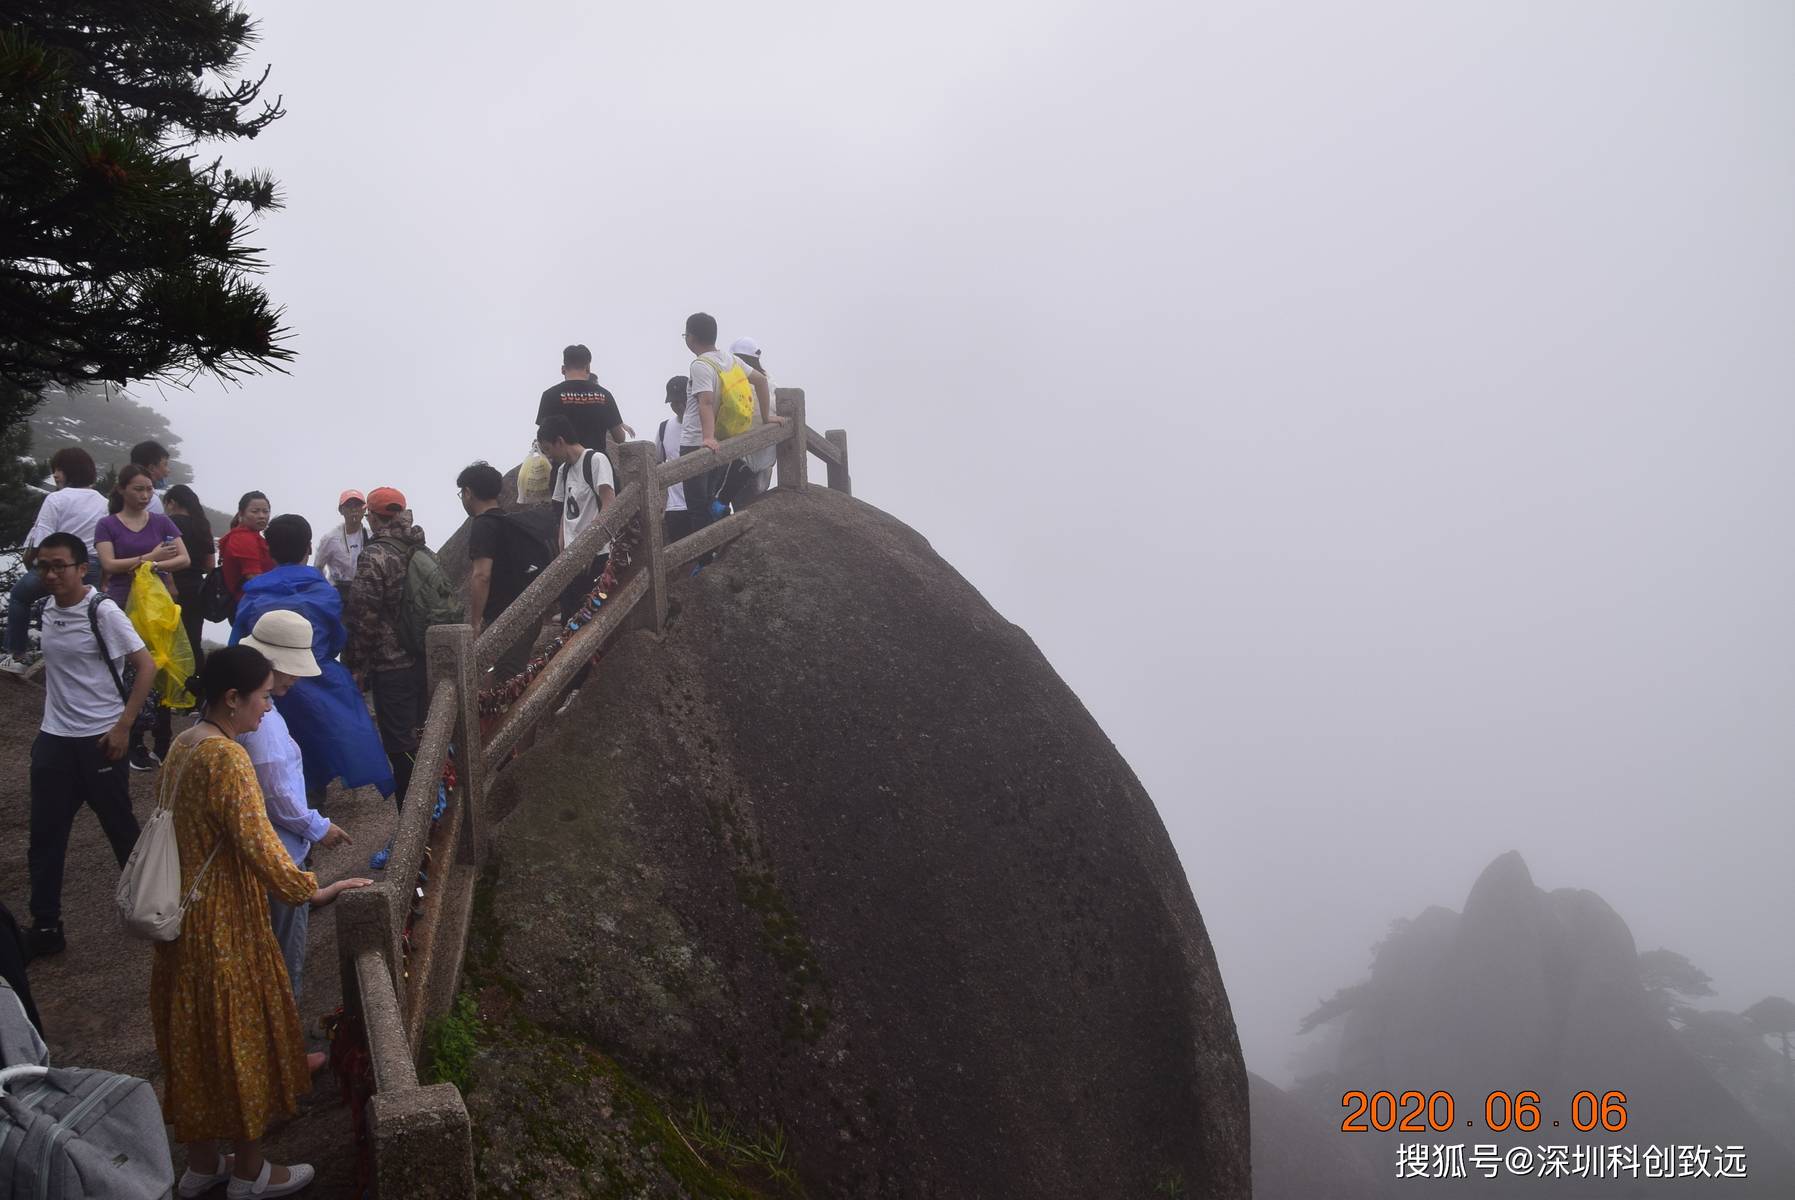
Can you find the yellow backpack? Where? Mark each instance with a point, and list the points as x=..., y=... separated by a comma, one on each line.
x=735, y=399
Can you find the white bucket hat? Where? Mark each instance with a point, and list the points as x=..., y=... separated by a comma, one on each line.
x=285, y=640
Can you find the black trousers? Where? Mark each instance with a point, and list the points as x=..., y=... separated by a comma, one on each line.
x=575, y=593
x=65, y=774
x=399, y=710
x=193, y=620
x=517, y=655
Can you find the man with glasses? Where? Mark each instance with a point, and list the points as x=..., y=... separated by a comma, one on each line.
x=79, y=755
x=698, y=431
x=339, y=550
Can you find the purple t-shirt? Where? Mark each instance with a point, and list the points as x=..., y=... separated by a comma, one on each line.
x=129, y=543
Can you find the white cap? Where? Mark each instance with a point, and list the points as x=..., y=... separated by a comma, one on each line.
x=745, y=345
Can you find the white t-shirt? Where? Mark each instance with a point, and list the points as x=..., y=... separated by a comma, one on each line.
x=703, y=378
x=80, y=697
x=280, y=769
x=73, y=510
x=578, y=499
x=156, y=501
x=676, y=495
x=338, y=552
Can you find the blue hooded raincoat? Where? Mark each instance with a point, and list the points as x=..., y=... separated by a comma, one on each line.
x=325, y=713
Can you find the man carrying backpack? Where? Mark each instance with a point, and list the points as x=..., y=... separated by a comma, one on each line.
x=584, y=486
x=504, y=554
x=79, y=755
x=398, y=592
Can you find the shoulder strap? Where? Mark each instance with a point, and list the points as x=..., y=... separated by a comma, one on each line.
x=93, y=620
x=586, y=466
x=165, y=799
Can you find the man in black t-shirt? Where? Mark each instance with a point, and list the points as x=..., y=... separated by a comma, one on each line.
x=503, y=557
x=583, y=401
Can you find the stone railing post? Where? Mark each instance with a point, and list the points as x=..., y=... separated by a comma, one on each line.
x=794, y=453
x=365, y=922
x=423, y=1143
x=638, y=466
x=838, y=472
x=449, y=654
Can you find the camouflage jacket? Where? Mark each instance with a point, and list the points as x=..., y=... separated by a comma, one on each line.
x=375, y=596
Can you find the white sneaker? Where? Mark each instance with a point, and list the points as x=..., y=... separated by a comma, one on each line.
x=299, y=1175
x=194, y=1184
x=11, y=665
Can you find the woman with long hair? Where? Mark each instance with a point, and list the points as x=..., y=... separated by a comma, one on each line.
x=227, y=1029
x=130, y=535
x=243, y=552
x=189, y=516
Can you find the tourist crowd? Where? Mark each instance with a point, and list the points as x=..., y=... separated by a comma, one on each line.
x=319, y=627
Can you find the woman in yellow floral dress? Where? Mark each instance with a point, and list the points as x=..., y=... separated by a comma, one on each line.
x=227, y=1030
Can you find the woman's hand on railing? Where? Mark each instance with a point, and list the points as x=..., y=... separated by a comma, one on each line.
x=326, y=894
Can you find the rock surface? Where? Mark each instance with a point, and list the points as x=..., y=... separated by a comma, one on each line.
x=1299, y=1152
x=841, y=858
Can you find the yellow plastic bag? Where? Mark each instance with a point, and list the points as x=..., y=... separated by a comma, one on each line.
x=157, y=619
x=535, y=477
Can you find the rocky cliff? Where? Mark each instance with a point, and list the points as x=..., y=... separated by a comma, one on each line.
x=840, y=866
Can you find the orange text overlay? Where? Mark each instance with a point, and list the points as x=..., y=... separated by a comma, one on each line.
x=1440, y=1112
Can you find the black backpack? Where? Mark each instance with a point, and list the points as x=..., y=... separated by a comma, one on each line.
x=215, y=603
x=93, y=622
x=528, y=538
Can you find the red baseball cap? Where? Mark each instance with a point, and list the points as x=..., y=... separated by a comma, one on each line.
x=349, y=495
x=386, y=500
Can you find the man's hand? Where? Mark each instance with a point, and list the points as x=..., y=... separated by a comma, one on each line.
x=114, y=742
x=336, y=835
x=627, y=431
x=710, y=442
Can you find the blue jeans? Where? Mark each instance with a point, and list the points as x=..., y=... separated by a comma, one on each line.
x=291, y=921
x=25, y=594
x=700, y=490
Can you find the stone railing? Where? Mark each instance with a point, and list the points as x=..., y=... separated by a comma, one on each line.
x=401, y=941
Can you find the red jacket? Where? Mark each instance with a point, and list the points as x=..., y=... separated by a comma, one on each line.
x=242, y=555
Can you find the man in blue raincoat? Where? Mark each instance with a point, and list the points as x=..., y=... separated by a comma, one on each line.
x=325, y=713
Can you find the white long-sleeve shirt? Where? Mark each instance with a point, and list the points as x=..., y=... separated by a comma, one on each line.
x=281, y=771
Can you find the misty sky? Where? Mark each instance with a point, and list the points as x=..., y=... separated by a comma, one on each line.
x=1381, y=414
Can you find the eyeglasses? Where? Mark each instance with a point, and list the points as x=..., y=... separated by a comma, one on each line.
x=50, y=568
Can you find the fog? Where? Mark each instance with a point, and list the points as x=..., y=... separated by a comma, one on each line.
x=1380, y=414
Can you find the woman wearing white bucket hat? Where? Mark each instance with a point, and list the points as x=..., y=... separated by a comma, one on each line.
x=285, y=640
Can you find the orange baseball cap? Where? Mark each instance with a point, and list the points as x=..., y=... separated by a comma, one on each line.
x=349, y=495
x=386, y=500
